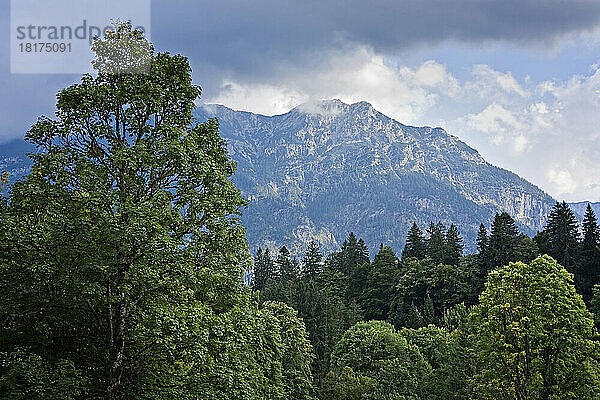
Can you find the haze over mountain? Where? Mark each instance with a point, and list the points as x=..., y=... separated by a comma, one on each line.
x=325, y=169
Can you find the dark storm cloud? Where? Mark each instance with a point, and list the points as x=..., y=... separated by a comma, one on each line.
x=254, y=36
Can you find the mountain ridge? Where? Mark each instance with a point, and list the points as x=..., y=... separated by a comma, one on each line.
x=303, y=156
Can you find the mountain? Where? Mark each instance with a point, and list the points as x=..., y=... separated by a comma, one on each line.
x=14, y=160
x=579, y=208
x=325, y=169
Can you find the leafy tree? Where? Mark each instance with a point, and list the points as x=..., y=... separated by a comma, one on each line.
x=563, y=235
x=346, y=385
x=381, y=281
x=121, y=253
x=295, y=352
x=535, y=335
x=436, y=242
x=590, y=253
x=415, y=244
x=453, y=246
x=504, y=239
x=376, y=351
x=312, y=263
x=444, y=285
x=451, y=362
x=264, y=269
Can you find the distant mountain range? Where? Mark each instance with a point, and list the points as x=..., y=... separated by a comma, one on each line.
x=325, y=169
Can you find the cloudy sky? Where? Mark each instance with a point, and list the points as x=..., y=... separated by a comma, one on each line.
x=519, y=80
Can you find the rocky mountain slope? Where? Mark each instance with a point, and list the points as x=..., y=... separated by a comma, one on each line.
x=323, y=170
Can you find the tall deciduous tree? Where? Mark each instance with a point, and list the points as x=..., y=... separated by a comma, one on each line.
x=121, y=253
x=535, y=335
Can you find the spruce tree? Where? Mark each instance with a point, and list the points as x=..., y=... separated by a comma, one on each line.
x=380, y=286
x=504, y=239
x=288, y=268
x=590, y=253
x=414, y=319
x=312, y=263
x=453, y=246
x=563, y=236
x=415, y=244
x=353, y=253
x=436, y=242
x=428, y=311
x=483, y=243
x=263, y=269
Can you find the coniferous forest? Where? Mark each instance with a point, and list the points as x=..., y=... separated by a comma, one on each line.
x=121, y=260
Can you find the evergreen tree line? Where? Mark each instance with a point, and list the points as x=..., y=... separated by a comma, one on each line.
x=428, y=294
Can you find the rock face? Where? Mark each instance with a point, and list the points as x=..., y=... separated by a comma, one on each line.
x=325, y=169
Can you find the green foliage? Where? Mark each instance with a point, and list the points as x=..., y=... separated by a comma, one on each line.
x=121, y=253
x=353, y=253
x=444, y=285
x=288, y=268
x=312, y=263
x=451, y=362
x=504, y=239
x=534, y=335
x=415, y=244
x=295, y=352
x=563, y=235
x=436, y=243
x=375, y=299
x=453, y=246
x=376, y=351
x=264, y=269
x=589, y=254
x=346, y=385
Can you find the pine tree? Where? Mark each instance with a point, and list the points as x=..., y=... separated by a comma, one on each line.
x=503, y=242
x=263, y=269
x=590, y=253
x=483, y=243
x=428, y=311
x=380, y=285
x=563, y=236
x=414, y=319
x=453, y=246
x=353, y=253
x=436, y=242
x=312, y=263
x=415, y=244
x=288, y=268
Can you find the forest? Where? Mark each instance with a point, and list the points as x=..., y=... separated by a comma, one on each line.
x=122, y=254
